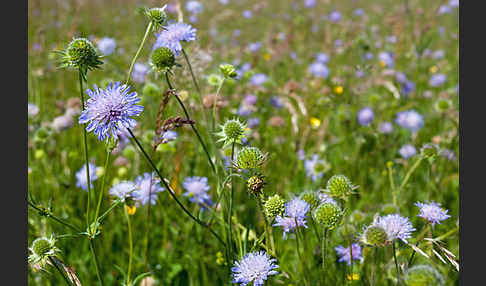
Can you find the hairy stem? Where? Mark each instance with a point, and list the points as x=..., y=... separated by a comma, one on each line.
x=102, y=190
x=95, y=258
x=149, y=27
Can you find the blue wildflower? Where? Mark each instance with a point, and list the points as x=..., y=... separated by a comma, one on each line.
x=322, y=58
x=172, y=36
x=407, y=151
x=345, y=254
x=276, y=102
x=315, y=167
x=408, y=87
x=437, y=80
x=254, y=268
x=253, y=122
x=335, y=16
x=168, y=136
x=258, y=79
x=309, y=3
x=365, y=116
x=197, y=191
x=109, y=110
x=147, y=187
x=194, y=7
x=295, y=214
x=410, y=119
x=395, y=226
x=253, y=47
x=139, y=72
x=123, y=190
x=319, y=69
x=432, y=212
x=385, y=127
x=106, y=46
x=247, y=14
x=82, y=180
x=387, y=58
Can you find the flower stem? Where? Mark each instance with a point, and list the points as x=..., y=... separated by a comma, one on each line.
x=192, y=73
x=268, y=236
x=192, y=125
x=100, y=196
x=162, y=179
x=323, y=249
x=44, y=212
x=230, y=211
x=396, y=262
x=130, y=245
x=86, y=152
x=93, y=252
x=215, y=102
x=410, y=172
x=59, y=270
x=149, y=27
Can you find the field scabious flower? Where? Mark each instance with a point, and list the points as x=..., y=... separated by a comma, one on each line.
x=169, y=136
x=82, y=181
x=109, y=110
x=197, y=190
x=432, y=212
x=365, y=116
x=387, y=59
x=106, y=46
x=147, y=187
x=123, y=190
x=315, y=167
x=258, y=79
x=32, y=110
x=232, y=131
x=335, y=16
x=437, y=80
x=385, y=127
x=194, y=7
x=410, y=119
x=319, y=69
x=254, y=268
x=395, y=226
x=407, y=151
x=295, y=214
x=345, y=255
x=172, y=36
x=139, y=72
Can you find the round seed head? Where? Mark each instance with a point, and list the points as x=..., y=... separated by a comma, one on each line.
x=312, y=198
x=255, y=184
x=41, y=249
x=443, y=105
x=339, y=186
x=374, y=235
x=250, y=158
x=232, y=131
x=163, y=58
x=81, y=54
x=274, y=206
x=429, y=150
x=228, y=70
x=423, y=275
x=328, y=215
x=157, y=16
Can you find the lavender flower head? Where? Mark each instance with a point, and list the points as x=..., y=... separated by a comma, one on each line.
x=197, y=190
x=309, y=3
x=106, y=46
x=322, y=58
x=82, y=180
x=194, y=7
x=295, y=214
x=169, y=136
x=139, y=72
x=123, y=190
x=319, y=69
x=326, y=198
x=109, y=110
x=345, y=255
x=276, y=102
x=254, y=268
x=32, y=110
x=437, y=80
x=254, y=47
x=315, y=167
x=410, y=119
x=247, y=14
x=147, y=187
x=385, y=127
x=365, y=116
x=432, y=212
x=250, y=99
x=258, y=79
x=387, y=58
x=172, y=36
x=395, y=226
x=335, y=16
x=407, y=151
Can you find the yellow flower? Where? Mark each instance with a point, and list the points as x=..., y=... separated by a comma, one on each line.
x=338, y=89
x=315, y=122
x=382, y=64
x=433, y=69
x=131, y=209
x=267, y=56
x=355, y=277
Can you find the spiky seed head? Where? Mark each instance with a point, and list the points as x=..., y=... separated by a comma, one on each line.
x=312, y=198
x=443, y=105
x=81, y=54
x=157, y=16
x=423, y=275
x=162, y=59
x=339, y=186
x=328, y=215
x=41, y=249
x=250, y=158
x=255, y=184
x=374, y=235
x=429, y=150
x=228, y=70
x=274, y=206
x=232, y=131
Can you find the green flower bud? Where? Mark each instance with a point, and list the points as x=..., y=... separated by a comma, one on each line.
x=41, y=249
x=81, y=54
x=374, y=235
x=255, y=184
x=339, y=186
x=228, y=70
x=423, y=275
x=42, y=135
x=214, y=80
x=250, y=158
x=429, y=150
x=232, y=131
x=312, y=198
x=157, y=16
x=328, y=215
x=162, y=59
x=443, y=105
x=274, y=206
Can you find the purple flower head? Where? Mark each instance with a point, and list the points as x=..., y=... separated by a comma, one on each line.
x=410, y=119
x=139, y=72
x=32, y=110
x=385, y=127
x=388, y=58
x=407, y=151
x=253, y=122
x=319, y=69
x=254, y=268
x=295, y=214
x=437, y=55
x=315, y=167
x=444, y=9
x=169, y=136
x=326, y=198
x=253, y=47
x=147, y=187
x=173, y=34
x=345, y=255
x=247, y=14
x=194, y=7
x=368, y=56
x=437, y=80
x=365, y=116
x=197, y=191
x=109, y=110
x=244, y=110
x=449, y=154
x=82, y=180
x=123, y=190
x=335, y=16
x=309, y=3
x=358, y=12
x=395, y=226
x=408, y=87
x=106, y=46
x=432, y=212
x=258, y=79
x=250, y=99
x=276, y=102
x=322, y=58
x=401, y=77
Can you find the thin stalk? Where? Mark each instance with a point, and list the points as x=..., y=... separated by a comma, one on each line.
x=130, y=245
x=268, y=244
x=117, y=202
x=230, y=211
x=149, y=27
x=419, y=238
x=396, y=262
x=60, y=271
x=192, y=125
x=301, y=260
x=97, y=266
x=215, y=103
x=100, y=196
x=53, y=217
x=86, y=152
x=410, y=172
x=192, y=73
x=323, y=249
x=162, y=179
